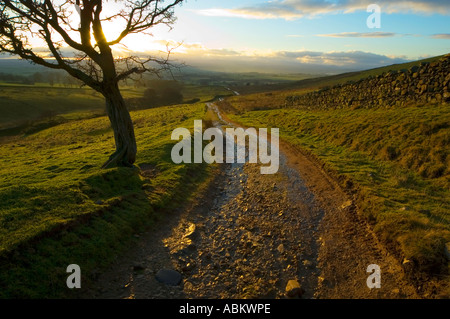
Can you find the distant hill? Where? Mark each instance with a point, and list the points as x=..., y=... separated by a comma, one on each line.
x=244, y=83
x=325, y=81
x=19, y=67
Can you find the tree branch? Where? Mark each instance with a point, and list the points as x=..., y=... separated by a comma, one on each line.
x=147, y=17
x=95, y=65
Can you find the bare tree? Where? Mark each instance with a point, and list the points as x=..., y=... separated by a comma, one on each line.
x=90, y=58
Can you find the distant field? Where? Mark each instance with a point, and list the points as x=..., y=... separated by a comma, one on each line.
x=24, y=104
x=21, y=103
x=58, y=207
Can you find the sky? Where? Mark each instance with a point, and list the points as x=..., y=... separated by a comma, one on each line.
x=295, y=36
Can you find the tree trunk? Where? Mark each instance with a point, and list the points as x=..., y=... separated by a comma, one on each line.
x=122, y=126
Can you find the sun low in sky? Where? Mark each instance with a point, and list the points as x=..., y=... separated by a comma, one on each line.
x=296, y=36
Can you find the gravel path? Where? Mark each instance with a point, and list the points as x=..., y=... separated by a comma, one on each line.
x=250, y=236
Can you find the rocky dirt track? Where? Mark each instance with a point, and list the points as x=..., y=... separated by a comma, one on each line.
x=256, y=236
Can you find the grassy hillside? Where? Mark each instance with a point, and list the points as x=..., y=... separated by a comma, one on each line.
x=58, y=208
x=395, y=161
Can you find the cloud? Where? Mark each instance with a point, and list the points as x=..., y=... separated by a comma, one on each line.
x=352, y=59
x=294, y=36
x=295, y=9
x=195, y=48
x=336, y=58
x=258, y=13
x=359, y=35
x=303, y=61
x=234, y=60
x=347, y=59
x=441, y=36
x=235, y=13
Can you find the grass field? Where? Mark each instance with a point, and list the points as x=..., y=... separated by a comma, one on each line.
x=396, y=159
x=58, y=208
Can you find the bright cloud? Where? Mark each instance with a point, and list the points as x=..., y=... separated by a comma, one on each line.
x=196, y=54
x=222, y=59
x=441, y=36
x=348, y=58
x=295, y=9
x=360, y=35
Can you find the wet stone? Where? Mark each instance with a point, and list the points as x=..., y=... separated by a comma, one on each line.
x=169, y=277
x=293, y=289
x=191, y=230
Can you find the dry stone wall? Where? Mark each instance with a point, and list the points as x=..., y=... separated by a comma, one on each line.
x=427, y=83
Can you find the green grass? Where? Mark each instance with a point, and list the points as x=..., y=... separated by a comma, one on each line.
x=58, y=208
x=396, y=158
